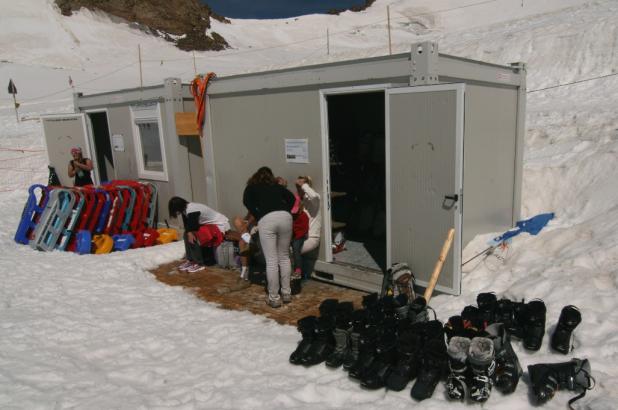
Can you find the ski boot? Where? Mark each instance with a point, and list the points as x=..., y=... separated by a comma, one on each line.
x=323, y=341
x=434, y=363
x=386, y=354
x=562, y=338
x=574, y=375
x=341, y=335
x=486, y=303
x=358, y=325
x=409, y=344
x=534, y=324
x=471, y=317
x=508, y=370
x=366, y=352
x=482, y=363
x=306, y=327
x=457, y=381
x=455, y=327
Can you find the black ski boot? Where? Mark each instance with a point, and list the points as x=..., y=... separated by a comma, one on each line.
x=455, y=327
x=323, y=341
x=574, y=375
x=511, y=314
x=508, y=370
x=534, y=324
x=482, y=363
x=434, y=363
x=457, y=381
x=341, y=334
x=471, y=317
x=386, y=355
x=358, y=325
x=418, y=310
x=562, y=338
x=306, y=327
x=366, y=352
x=486, y=303
x=409, y=345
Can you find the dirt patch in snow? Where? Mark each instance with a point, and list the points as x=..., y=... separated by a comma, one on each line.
x=224, y=288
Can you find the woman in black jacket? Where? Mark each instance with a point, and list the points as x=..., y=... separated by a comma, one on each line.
x=270, y=204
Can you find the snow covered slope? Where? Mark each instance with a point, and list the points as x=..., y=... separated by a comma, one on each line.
x=98, y=332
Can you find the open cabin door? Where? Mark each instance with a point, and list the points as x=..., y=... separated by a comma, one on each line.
x=62, y=132
x=424, y=147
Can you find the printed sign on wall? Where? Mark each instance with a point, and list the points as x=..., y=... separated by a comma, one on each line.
x=118, y=142
x=297, y=151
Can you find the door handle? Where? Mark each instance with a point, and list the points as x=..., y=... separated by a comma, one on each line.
x=453, y=198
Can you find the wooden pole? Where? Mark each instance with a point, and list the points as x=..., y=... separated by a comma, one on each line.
x=194, y=65
x=327, y=43
x=438, y=268
x=139, y=55
x=388, y=18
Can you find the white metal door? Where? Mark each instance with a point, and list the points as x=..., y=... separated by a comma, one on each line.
x=62, y=132
x=424, y=145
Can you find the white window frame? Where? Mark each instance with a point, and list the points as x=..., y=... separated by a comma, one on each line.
x=142, y=114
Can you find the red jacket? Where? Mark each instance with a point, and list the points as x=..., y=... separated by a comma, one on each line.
x=300, y=225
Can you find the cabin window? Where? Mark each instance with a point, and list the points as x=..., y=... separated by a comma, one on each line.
x=149, y=146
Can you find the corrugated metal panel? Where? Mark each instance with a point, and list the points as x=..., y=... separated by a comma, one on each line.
x=422, y=129
x=249, y=132
x=489, y=165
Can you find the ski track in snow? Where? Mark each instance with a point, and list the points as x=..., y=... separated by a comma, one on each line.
x=99, y=332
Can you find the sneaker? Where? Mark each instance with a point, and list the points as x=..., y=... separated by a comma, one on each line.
x=185, y=265
x=195, y=268
x=286, y=298
x=273, y=303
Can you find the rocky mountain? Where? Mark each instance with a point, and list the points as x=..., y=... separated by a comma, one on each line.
x=183, y=22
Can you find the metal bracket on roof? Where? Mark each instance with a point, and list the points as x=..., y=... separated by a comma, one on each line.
x=424, y=63
x=518, y=67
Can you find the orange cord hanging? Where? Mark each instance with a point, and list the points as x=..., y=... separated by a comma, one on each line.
x=199, y=85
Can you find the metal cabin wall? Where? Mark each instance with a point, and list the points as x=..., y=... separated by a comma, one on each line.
x=249, y=131
x=489, y=159
x=119, y=119
x=195, y=158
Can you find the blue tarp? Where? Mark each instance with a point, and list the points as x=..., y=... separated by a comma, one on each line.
x=533, y=226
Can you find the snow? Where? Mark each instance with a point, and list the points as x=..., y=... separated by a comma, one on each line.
x=99, y=332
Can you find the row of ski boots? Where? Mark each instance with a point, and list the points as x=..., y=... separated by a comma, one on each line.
x=387, y=343
x=525, y=321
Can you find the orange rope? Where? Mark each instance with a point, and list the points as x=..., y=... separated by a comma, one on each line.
x=199, y=85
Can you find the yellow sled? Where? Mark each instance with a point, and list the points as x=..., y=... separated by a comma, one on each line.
x=102, y=244
x=167, y=235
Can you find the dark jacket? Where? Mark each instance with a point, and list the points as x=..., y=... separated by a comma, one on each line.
x=261, y=199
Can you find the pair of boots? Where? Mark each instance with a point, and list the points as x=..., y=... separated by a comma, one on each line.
x=479, y=361
x=524, y=321
x=317, y=335
x=472, y=365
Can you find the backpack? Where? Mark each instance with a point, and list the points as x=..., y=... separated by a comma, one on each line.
x=399, y=279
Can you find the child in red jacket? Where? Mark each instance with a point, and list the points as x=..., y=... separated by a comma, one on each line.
x=300, y=229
